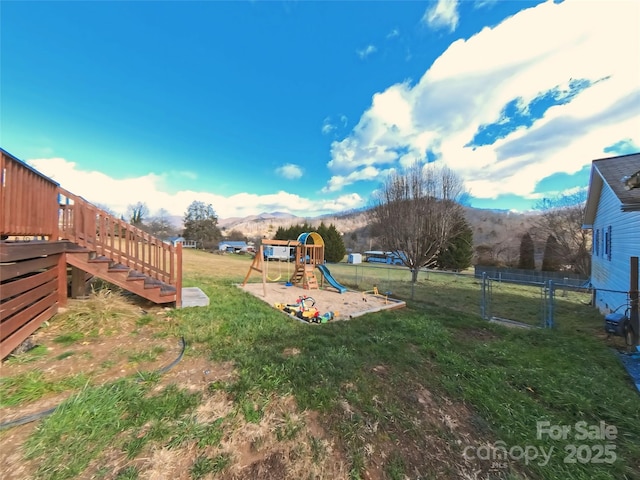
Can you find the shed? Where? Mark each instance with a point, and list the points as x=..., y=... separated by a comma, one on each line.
x=354, y=258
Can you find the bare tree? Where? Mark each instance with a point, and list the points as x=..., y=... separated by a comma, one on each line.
x=562, y=217
x=137, y=213
x=417, y=212
x=160, y=226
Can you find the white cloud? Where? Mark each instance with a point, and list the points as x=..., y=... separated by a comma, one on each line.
x=290, y=171
x=338, y=182
x=117, y=194
x=327, y=126
x=330, y=125
x=472, y=81
x=484, y=3
x=393, y=33
x=443, y=14
x=365, y=52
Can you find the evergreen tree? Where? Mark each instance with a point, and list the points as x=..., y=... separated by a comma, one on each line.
x=201, y=224
x=458, y=254
x=551, y=259
x=527, y=260
x=334, y=249
x=293, y=232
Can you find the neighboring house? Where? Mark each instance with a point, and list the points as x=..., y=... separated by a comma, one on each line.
x=613, y=215
x=233, y=247
x=175, y=240
x=185, y=243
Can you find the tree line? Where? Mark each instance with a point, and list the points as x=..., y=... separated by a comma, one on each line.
x=334, y=249
x=200, y=223
x=567, y=247
x=418, y=211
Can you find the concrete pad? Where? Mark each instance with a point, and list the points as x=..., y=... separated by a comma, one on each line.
x=194, y=297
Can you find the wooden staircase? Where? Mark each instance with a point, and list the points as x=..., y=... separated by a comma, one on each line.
x=123, y=276
x=118, y=252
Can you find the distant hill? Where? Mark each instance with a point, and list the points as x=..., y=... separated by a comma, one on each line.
x=499, y=229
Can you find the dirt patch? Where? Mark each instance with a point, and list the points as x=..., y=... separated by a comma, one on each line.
x=344, y=306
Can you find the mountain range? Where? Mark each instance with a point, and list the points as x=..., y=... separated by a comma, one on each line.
x=499, y=229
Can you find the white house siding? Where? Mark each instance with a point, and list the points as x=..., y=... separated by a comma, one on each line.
x=613, y=274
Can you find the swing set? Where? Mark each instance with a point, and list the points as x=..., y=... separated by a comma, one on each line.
x=307, y=256
x=276, y=279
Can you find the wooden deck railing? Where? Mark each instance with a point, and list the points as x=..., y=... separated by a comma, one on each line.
x=97, y=230
x=27, y=200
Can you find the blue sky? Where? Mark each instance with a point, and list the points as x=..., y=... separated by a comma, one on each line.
x=306, y=107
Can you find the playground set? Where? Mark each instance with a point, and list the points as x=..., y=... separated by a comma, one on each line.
x=309, y=255
x=301, y=268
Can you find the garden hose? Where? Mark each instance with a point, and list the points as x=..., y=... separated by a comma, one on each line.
x=44, y=413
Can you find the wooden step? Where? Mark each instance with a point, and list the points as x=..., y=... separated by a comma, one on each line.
x=134, y=275
x=131, y=280
x=100, y=259
x=118, y=267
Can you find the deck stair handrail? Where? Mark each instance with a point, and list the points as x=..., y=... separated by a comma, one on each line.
x=98, y=231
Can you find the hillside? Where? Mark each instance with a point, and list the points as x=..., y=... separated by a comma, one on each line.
x=501, y=230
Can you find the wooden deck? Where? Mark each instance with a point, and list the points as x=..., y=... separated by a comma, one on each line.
x=48, y=235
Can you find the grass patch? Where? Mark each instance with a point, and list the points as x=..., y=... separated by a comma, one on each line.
x=150, y=355
x=102, y=313
x=85, y=425
x=32, y=355
x=68, y=338
x=127, y=473
x=205, y=465
x=64, y=355
x=30, y=386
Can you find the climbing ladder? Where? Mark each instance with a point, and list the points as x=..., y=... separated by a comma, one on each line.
x=310, y=281
x=304, y=274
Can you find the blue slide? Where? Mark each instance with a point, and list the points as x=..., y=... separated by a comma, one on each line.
x=332, y=281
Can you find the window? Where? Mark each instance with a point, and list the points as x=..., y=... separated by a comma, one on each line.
x=596, y=243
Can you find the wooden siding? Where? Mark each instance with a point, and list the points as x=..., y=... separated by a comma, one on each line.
x=30, y=290
x=610, y=271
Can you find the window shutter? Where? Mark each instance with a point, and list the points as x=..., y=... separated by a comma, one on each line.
x=609, y=243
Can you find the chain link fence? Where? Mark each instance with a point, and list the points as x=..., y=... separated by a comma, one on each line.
x=497, y=298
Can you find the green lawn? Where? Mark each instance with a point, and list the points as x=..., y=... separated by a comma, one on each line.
x=411, y=391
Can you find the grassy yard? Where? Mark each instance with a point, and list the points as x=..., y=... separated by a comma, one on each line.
x=429, y=391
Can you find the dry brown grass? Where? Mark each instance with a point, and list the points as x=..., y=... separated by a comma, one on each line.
x=197, y=263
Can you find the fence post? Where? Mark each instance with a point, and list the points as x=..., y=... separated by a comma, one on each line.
x=549, y=321
x=483, y=304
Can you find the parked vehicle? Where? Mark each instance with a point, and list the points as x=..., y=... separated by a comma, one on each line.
x=273, y=252
x=390, y=258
